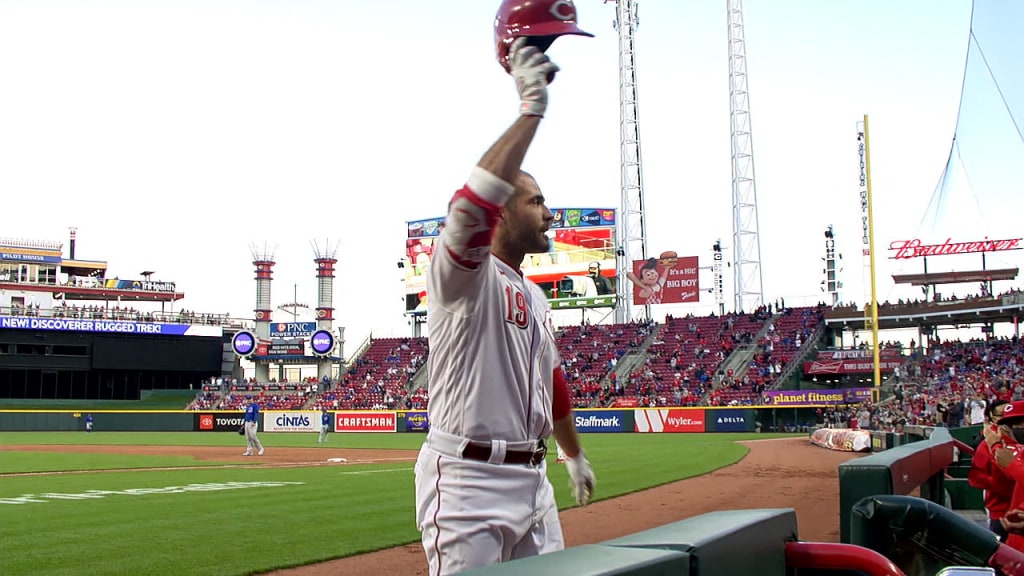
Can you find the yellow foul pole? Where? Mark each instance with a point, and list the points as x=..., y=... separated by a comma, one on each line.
x=871, y=258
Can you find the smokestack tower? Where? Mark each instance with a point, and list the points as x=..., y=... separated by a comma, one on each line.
x=74, y=233
x=325, y=261
x=263, y=261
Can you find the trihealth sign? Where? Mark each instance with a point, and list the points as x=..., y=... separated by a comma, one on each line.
x=107, y=326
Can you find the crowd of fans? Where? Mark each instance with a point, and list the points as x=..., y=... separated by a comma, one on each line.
x=680, y=363
x=118, y=313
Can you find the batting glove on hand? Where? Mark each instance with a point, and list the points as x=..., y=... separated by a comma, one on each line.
x=581, y=478
x=533, y=71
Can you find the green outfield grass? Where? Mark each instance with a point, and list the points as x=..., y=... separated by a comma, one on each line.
x=314, y=514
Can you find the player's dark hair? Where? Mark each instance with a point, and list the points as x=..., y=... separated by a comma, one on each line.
x=991, y=408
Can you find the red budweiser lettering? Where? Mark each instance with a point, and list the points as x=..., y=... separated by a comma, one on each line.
x=906, y=249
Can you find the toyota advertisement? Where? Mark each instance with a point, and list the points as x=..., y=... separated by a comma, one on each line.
x=226, y=422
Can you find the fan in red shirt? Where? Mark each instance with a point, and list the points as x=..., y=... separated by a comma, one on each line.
x=1008, y=453
x=986, y=475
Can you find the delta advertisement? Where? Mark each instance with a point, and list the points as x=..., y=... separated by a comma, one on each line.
x=668, y=279
x=578, y=270
x=808, y=398
x=108, y=326
x=730, y=420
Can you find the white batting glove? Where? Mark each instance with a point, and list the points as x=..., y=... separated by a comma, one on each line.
x=533, y=71
x=581, y=478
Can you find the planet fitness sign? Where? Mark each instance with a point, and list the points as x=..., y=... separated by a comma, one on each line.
x=322, y=342
x=107, y=326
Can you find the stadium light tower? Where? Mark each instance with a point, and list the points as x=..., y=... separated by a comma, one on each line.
x=748, y=279
x=632, y=228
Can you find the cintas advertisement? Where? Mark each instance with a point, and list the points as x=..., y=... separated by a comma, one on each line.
x=305, y=421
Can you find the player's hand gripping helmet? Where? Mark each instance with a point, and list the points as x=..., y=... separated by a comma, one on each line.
x=539, y=20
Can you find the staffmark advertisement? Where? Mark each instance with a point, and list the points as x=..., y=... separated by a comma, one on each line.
x=365, y=421
x=207, y=422
x=307, y=421
x=670, y=420
x=598, y=420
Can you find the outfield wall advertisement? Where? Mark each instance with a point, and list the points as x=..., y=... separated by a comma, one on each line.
x=305, y=421
x=365, y=421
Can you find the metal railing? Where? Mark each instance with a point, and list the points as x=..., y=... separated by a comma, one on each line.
x=126, y=314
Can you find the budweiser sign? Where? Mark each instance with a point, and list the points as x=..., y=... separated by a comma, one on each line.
x=906, y=249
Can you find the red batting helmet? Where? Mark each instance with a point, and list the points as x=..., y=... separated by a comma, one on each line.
x=540, y=20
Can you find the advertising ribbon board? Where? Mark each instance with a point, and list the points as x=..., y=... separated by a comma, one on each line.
x=365, y=421
x=207, y=422
x=306, y=421
x=670, y=420
x=108, y=326
x=599, y=421
x=797, y=398
x=730, y=420
x=416, y=422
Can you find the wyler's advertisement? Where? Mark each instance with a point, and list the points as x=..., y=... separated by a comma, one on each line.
x=667, y=279
x=670, y=420
x=416, y=422
x=598, y=420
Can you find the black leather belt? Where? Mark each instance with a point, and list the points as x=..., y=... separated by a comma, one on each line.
x=483, y=454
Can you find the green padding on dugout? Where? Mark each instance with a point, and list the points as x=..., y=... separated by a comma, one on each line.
x=712, y=541
x=898, y=471
x=595, y=560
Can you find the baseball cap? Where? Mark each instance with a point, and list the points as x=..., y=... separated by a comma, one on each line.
x=1013, y=411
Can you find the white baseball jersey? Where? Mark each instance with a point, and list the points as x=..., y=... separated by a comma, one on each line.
x=492, y=352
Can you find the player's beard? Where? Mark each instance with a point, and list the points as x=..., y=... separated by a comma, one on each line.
x=534, y=241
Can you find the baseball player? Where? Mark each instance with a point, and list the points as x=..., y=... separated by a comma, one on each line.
x=251, y=419
x=88, y=422
x=325, y=426
x=497, y=392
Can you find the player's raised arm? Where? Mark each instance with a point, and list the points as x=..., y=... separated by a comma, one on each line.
x=473, y=211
